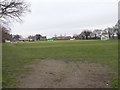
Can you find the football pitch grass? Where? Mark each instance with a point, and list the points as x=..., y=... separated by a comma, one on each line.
x=16, y=55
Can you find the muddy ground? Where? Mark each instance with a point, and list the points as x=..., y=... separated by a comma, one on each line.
x=67, y=74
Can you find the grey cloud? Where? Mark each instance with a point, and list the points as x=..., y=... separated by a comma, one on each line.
x=50, y=17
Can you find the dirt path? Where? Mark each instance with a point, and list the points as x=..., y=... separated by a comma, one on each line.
x=65, y=74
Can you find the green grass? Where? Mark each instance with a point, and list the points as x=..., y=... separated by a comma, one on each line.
x=16, y=55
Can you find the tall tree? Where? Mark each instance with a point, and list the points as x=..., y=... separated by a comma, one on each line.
x=11, y=10
x=86, y=33
x=117, y=29
x=118, y=25
x=5, y=34
x=16, y=37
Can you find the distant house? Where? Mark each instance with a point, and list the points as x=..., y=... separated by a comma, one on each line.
x=39, y=37
x=100, y=34
x=31, y=38
x=19, y=38
x=62, y=38
x=96, y=34
x=23, y=39
x=92, y=35
x=43, y=38
x=77, y=37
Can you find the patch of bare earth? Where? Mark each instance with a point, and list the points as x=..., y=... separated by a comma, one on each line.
x=67, y=74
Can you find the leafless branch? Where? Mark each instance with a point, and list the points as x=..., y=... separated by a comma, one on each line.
x=13, y=9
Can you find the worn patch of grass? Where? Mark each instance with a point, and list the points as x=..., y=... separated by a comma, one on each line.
x=16, y=55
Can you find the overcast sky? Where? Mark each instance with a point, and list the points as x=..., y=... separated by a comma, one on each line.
x=67, y=17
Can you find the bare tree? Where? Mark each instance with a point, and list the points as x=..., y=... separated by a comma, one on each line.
x=13, y=9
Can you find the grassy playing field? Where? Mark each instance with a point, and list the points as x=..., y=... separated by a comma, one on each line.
x=16, y=55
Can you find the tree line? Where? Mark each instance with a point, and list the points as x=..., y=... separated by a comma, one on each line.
x=113, y=32
x=12, y=10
